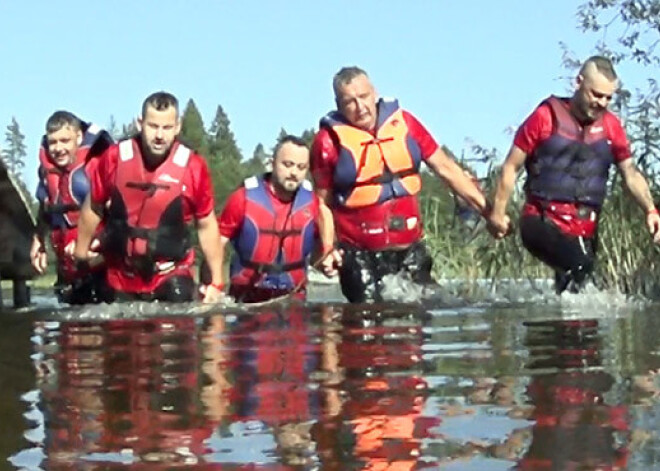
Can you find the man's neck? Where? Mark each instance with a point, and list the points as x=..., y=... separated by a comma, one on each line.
x=577, y=114
x=151, y=161
x=279, y=193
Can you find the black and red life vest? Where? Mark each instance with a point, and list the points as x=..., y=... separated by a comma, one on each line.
x=146, y=219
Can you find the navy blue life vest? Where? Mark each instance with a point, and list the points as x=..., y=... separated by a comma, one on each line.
x=572, y=165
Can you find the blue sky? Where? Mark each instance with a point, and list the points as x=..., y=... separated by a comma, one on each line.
x=468, y=69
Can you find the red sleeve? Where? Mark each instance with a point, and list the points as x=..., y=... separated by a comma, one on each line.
x=202, y=202
x=418, y=132
x=102, y=177
x=231, y=219
x=536, y=128
x=323, y=159
x=617, y=136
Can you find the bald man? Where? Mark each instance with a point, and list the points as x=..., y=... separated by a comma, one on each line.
x=567, y=146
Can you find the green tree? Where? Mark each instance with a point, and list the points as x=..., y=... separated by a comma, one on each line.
x=224, y=158
x=113, y=129
x=259, y=161
x=630, y=32
x=308, y=136
x=127, y=131
x=13, y=156
x=193, y=133
x=222, y=140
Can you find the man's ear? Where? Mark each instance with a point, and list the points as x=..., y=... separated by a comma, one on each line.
x=138, y=124
x=578, y=81
x=79, y=137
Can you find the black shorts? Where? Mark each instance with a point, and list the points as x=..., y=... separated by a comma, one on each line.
x=362, y=271
x=88, y=289
x=176, y=289
x=568, y=255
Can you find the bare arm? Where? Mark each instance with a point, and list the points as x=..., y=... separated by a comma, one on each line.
x=87, y=224
x=324, y=195
x=509, y=172
x=38, y=256
x=326, y=227
x=446, y=168
x=211, y=245
x=635, y=182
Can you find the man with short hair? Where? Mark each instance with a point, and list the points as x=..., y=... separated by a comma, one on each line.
x=567, y=146
x=154, y=187
x=366, y=160
x=277, y=226
x=68, y=155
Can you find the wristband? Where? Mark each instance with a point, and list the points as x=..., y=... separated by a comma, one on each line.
x=653, y=210
x=218, y=286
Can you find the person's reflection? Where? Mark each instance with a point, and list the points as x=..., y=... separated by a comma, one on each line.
x=125, y=388
x=275, y=363
x=71, y=373
x=379, y=365
x=575, y=428
x=216, y=392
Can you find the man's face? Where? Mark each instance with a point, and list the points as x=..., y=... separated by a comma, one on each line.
x=159, y=129
x=290, y=167
x=356, y=101
x=593, y=95
x=63, y=145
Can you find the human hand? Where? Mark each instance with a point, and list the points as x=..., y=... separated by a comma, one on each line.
x=38, y=256
x=331, y=262
x=499, y=226
x=93, y=257
x=653, y=223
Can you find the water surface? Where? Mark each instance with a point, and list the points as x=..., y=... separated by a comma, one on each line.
x=509, y=381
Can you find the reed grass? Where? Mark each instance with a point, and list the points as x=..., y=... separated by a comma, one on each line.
x=627, y=258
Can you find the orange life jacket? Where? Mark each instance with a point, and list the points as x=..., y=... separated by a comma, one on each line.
x=373, y=168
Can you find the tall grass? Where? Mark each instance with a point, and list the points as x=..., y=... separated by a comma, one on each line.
x=627, y=259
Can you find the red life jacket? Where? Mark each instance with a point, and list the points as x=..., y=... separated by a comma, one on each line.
x=145, y=220
x=63, y=190
x=273, y=250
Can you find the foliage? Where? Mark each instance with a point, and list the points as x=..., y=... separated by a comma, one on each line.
x=13, y=155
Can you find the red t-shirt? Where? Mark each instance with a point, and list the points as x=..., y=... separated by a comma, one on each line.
x=350, y=224
x=537, y=128
x=539, y=125
x=197, y=204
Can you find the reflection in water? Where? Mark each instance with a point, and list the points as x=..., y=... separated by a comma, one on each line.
x=331, y=387
x=575, y=426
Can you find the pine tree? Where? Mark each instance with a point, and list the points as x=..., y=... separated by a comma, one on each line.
x=14, y=154
x=113, y=128
x=222, y=141
x=308, y=136
x=128, y=130
x=193, y=133
x=259, y=162
x=224, y=158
